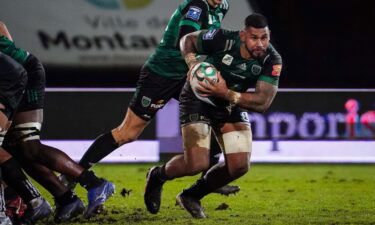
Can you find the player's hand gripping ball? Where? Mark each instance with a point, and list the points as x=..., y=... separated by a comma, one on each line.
x=199, y=72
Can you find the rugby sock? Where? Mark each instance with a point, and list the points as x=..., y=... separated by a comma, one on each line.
x=66, y=198
x=198, y=190
x=88, y=180
x=160, y=173
x=15, y=178
x=102, y=146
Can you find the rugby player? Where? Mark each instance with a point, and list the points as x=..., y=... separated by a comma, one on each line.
x=245, y=59
x=161, y=78
x=40, y=160
x=13, y=80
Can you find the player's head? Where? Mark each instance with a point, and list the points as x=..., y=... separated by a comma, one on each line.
x=255, y=36
x=214, y=3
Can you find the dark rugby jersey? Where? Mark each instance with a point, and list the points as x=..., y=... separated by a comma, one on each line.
x=167, y=61
x=7, y=47
x=223, y=50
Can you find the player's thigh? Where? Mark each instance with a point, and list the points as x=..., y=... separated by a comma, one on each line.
x=236, y=141
x=152, y=93
x=33, y=98
x=196, y=138
x=13, y=79
x=235, y=137
x=131, y=127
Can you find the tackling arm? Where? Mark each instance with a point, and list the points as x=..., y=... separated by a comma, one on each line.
x=188, y=47
x=259, y=101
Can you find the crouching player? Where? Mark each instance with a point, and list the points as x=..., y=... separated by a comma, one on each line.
x=245, y=59
x=39, y=160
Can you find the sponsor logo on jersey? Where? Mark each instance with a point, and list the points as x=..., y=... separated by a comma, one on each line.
x=159, y=104
x=255, y=69
x=147, y=116
x=227, y=59
x=245, y=117
x=194, y=13
x=276, y=70
x=193, y=117
x=209, y=35
x=242, y=66
x=146, y=101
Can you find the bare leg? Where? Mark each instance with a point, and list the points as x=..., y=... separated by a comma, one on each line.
x=128, y=131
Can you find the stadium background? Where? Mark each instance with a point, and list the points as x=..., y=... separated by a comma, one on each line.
x=326, y=47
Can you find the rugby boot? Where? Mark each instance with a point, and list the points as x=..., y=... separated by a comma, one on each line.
x=97, y=196
x=153, y=190
x=38, y=209
x=66, y=212
x=190, y=204
x=4, y=219
x=227, y=190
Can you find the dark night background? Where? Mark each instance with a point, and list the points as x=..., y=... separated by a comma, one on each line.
x=324, y=44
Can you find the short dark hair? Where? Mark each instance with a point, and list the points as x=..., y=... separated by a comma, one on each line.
x=256, y=20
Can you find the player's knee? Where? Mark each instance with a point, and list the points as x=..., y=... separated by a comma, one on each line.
x=239, y=170
x=128, y=132
x=196, y=168
x=123, y=137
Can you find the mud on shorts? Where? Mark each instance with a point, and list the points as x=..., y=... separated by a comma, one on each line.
x=193, y=110
x=153, y=92
x=13, y=80
x=33, y=98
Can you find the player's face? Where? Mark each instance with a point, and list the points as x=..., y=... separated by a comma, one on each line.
x=214, y=3
x=255, y=41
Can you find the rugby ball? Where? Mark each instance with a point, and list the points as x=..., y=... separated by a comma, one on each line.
x=198, y=74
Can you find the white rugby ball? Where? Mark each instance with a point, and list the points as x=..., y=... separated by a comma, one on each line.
x=198, y=74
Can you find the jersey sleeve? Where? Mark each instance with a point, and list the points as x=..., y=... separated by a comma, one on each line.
x=193, y=15
x=272, y=65
x=211, y=41
x=8, y=47
x=224, y=7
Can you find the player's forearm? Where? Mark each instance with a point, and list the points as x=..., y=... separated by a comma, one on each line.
x=188, y=49
x=259, y=101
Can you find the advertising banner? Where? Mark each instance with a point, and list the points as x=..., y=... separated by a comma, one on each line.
x=302, y=125
x=92, y=33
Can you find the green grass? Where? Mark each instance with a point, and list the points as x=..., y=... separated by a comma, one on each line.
x=270, y=194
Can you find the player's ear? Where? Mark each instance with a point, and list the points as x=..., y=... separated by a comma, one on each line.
x=242, y=36
x=269, y=34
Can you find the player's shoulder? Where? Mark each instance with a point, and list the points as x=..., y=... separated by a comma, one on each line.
x=201, y=4
x=219, y=33
x=272, y=57
x=194, y=9
x=224, y=6
x=231, y=34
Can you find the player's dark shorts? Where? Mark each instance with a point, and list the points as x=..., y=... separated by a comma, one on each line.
x=13, y=80
x=193, y=110
x=153, y=92
x=33, y=97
